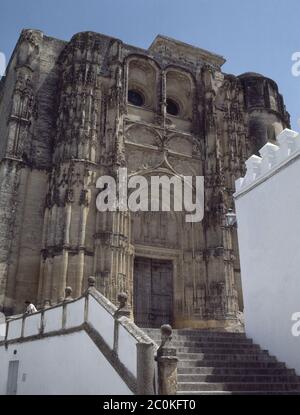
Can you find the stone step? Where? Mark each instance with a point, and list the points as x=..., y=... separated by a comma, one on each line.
x=235, y=371
x=231, y=386
x=182, y=340
x=220, y=350
x=198, y=334
x=187, y=343
x=190, y=332
x=204, y=340
x=261, y=357
x=223, y=363
x=229, y=364
x=270, y=378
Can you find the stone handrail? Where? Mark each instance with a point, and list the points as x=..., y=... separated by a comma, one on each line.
x=128, y=349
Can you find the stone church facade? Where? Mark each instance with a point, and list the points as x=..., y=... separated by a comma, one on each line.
x=71, y=112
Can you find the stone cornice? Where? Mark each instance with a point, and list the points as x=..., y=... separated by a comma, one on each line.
x=194, y=51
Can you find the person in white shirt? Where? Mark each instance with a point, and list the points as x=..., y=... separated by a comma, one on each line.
x=30, y=308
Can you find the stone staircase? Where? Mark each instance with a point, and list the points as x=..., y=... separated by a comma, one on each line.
x=222, y=363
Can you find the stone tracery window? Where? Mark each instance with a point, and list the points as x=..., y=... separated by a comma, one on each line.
x=180, y=94
x=135, y=98
x=172, y=107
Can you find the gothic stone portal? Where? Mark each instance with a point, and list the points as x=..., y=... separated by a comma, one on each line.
x=153, y=292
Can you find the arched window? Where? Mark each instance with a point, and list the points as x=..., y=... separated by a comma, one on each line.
x=135, y=98
x=172, y=107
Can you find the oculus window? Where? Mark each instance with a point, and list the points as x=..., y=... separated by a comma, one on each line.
x=135, y=98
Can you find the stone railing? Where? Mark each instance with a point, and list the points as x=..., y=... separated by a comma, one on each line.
x=127, y=348
x=272, y=158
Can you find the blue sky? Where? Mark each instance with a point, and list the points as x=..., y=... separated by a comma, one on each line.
x=253, y=35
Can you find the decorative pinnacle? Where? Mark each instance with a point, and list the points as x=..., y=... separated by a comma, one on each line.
x=122, y=299
x=68, y=292
x=166, y=334
x=91, y=282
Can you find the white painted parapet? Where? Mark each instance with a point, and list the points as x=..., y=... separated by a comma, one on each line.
x=272, y=157
x=267, y=202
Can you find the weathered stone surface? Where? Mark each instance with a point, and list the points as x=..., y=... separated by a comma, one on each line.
x=65, y=120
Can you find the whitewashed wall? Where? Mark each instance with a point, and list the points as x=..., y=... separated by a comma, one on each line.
x=268, y=212
x=2, y=326
x=57, y=356
x=2, y=330
x=68, y=364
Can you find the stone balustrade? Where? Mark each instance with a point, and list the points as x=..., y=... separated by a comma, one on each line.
x=128, y=349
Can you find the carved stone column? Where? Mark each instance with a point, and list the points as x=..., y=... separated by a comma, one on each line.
x=231, y=303
x=69, y=243
x=164, y=97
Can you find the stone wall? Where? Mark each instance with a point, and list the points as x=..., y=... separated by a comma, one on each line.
x=79, y=125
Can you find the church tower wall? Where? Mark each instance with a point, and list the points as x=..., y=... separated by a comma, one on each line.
x=25, y=153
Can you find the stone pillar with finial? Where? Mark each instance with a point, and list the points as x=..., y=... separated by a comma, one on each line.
x=167, y=363
x=68, y=294
x=91, y=284
x=68, y=298
x=123, y=309
x=91, y=288
x=47, y=304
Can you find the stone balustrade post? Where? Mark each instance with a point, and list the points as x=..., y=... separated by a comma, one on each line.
x=68, y=297
x=167, y=363
x=91, y=284
x=68, y=294
x=91, y=287
x=122, y=311
x=145, y=369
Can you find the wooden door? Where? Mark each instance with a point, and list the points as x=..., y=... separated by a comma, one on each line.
x=153, y=292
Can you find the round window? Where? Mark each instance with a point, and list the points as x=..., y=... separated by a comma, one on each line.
x=172, y=107
x=135, y=98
